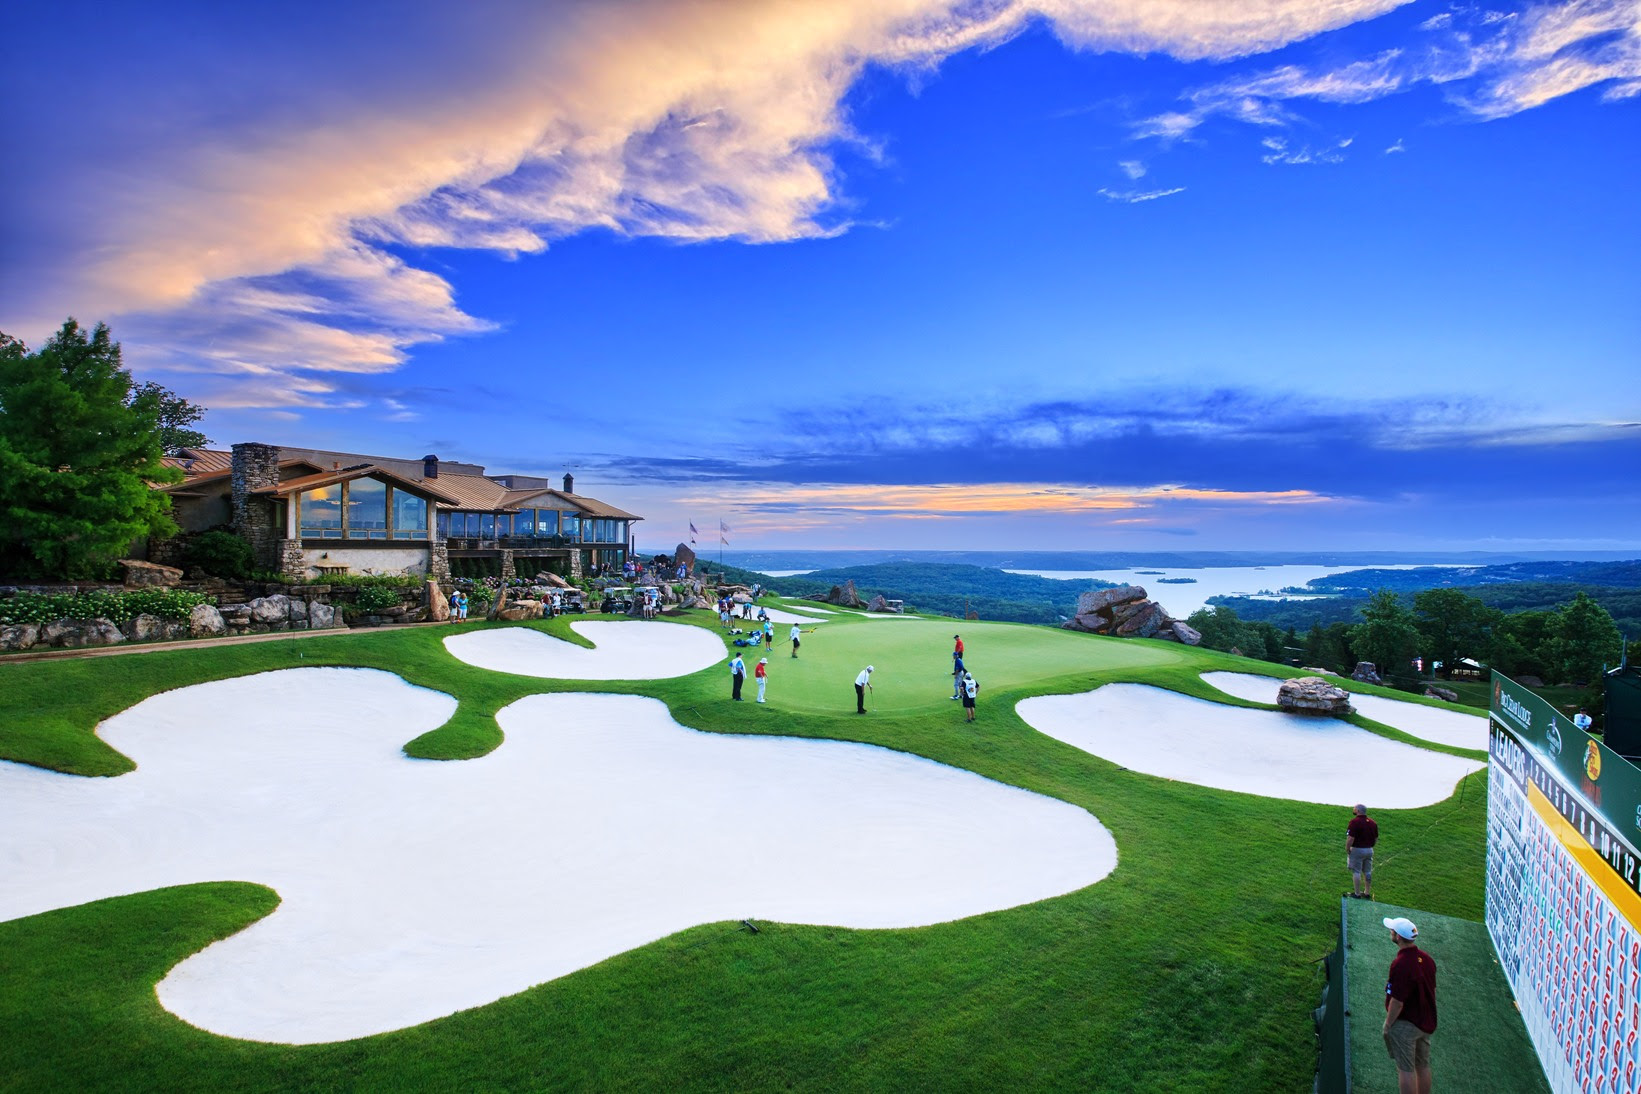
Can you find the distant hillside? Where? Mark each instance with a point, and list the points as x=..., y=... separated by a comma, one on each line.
x=1124, y=560
x=943, y=589
x=1623, y=603
x=1612, y=575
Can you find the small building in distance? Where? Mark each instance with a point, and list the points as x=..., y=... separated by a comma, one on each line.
x=311, y=512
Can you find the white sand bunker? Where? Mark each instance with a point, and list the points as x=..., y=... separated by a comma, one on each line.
x=1264, y=752
x=412, y=889
x=622, y=651
x=780, y=615
x=1445, y=727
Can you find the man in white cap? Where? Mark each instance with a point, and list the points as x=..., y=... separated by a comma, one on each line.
x=863, y=684
x=1410, y=1008
x=762, y=673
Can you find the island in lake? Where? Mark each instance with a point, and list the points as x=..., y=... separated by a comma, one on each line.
x=1175, y=580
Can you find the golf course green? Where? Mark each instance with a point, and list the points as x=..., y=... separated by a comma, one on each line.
x=1194, y=966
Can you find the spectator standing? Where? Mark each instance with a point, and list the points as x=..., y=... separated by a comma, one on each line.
x=769, y=635
x=971, y=688
x=762, y=673
x=1583, y=720
x=1410, y=1008
x=1360, y=835
x=863, y=684
x=737, y=677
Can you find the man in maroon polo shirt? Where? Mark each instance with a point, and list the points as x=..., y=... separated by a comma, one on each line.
x=1410, y=1008
x=1360, y=835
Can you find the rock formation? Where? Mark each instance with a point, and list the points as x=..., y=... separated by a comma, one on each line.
x=1312, y=695
x=844, y=596
x=1125, y=612
x=1445, y=694
x=438, y=605
x=1366, y=672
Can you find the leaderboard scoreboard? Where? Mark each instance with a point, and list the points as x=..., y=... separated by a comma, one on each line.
x=1564, y=891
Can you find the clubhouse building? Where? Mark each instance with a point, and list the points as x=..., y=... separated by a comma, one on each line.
x=308, y=513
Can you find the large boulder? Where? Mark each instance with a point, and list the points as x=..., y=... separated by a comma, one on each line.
x=878, y=603
x=18, y=636
x=140, y=574
x=1098, y=600
x=1312, y=695
x=1089, y=622
x=847, y=597
x=270, y=609
x=520, y=609
x=438, y=605
x=70, y=633
x=299, y=611
x=1366, y=672
x=204, y=621
x=552, y=580
x=145, y=628
x=1184, y=632
x=321, y=615
x=1144, y=623
x=685, y=554
x=1445, y=694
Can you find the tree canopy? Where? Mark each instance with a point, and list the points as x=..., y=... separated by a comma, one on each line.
x=79, y=451
x=176, y=420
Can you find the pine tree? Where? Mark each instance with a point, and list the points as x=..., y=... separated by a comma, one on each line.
x=78, y=456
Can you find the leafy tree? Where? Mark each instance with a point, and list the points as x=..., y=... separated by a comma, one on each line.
x=1453, y=625
x=78, y=454
x=1586, y=640
x=1220, y=628
x=177, y=417
x=1387, y=636
x=1314, y=639
x=1521, y=644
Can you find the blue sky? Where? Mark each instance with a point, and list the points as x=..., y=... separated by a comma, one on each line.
x=1113, y=275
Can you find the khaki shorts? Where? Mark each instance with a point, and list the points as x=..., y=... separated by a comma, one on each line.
x=1361, y=861
x=1409, y=1046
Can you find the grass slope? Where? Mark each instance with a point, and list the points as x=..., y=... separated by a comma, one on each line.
x=1192, y=967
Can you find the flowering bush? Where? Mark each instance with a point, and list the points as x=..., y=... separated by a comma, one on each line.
x=119, y=607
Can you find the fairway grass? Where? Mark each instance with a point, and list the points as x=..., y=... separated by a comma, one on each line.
x=1192, y=967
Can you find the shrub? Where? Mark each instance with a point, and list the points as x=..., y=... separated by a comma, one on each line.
x=119, y=607
x=375, y=598
x=379, y=581
x=219, y=553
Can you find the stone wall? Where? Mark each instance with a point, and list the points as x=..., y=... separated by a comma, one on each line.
x=256, y=466
x=299, y=608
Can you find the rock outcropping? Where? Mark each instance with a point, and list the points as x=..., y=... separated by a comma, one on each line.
x=1312, y=695
x=1366, y=672
x=844, y=596
x=1126, y=613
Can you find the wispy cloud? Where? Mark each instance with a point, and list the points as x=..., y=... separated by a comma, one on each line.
x=1278, y=150
x=1397, y=147
x=1494, y=64
x=1134, y=169
x=1130, y=197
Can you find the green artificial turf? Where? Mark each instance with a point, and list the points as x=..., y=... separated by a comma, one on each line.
x=1192, y=967
x=1480, y=1045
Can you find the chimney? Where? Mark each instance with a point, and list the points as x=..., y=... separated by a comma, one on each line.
x=569, y=483
x=430, y=467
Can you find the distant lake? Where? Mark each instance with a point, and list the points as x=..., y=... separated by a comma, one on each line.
x=1180, y=601
x=785, y=573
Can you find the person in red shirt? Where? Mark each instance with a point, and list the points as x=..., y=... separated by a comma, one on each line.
x=1360, y=835
x=762, y=674
x=1410, y=1008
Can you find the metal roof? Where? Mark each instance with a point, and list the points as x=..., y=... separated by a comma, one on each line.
x=331, y=478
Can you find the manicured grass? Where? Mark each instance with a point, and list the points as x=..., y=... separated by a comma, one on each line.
x=1192, y=967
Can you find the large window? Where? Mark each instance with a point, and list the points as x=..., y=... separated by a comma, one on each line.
x=322, y=513
x=572, y=525
x=366, y=505
x=409, y=516
x=359, y=509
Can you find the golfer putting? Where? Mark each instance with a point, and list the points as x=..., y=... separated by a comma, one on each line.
x=863, y=684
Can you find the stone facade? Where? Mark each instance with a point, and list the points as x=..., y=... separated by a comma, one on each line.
x=292, y=562
x=438, y=561
x=255, y=467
